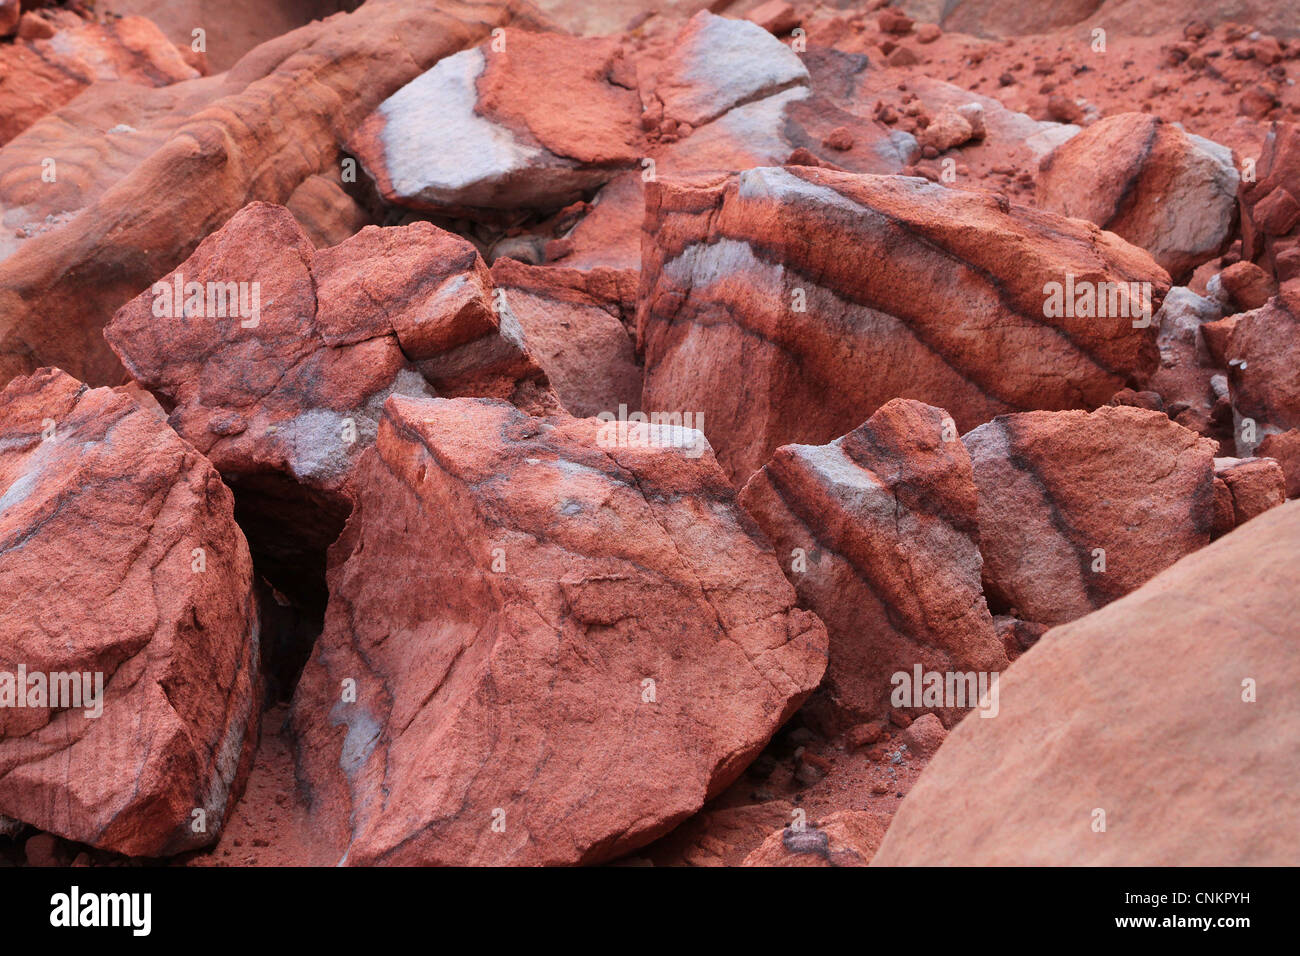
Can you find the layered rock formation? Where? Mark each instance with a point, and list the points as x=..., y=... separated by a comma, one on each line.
x=1077, y=509
x=909, y=290
x=878, y=533
x=283, y=110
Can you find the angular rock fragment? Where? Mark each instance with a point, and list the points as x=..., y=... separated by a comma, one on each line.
x=1077, y=509
x=560, y=645
x=712, y=68
x=1187, y=367
x=1148, y=181
x=787, y=305
x=877, y=532
x=480, y=131
x=1171, y=718
x=573, y=325
x=1270, y=205
x=1284, y=448
x=1254, y=485
x=129, y=622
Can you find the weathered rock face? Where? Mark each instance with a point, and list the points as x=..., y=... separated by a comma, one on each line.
x=285, y=107
x=847, y=838
x=720, y=837
x=1077, y=509
x=93, y=141
x=877, y=532
x=122, y=568
x=1172, y=193
x=570, y=613
x=275, y=359
x=572, y=323
x=1262, y=351
x=787, y=305
x=1188, y=746
x=326, y=213
x=44, y=73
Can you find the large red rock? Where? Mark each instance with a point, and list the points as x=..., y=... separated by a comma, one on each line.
x=120, y=560
x=275, y=359
x=284, y=110
x=38, y=75
x=787, y=305
x=561, y=644
x=1077, y=509
x=1253, y=485
x=1171, y=712
x=1168, y=191
x=479, y=130
x=878, y=533
x=1263, y=354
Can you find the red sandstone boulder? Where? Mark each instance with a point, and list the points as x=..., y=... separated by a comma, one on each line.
x=124, y=571
x=71, y=156
x=1284, y=448
x=1254, y=485
x=877, y=532
x=1077, y=509
x=491, y=130
x=1148, y=181
x=1173, y=726
x=1263, y=354
x=546, y=642
x=787, y=305
x=485, y=129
